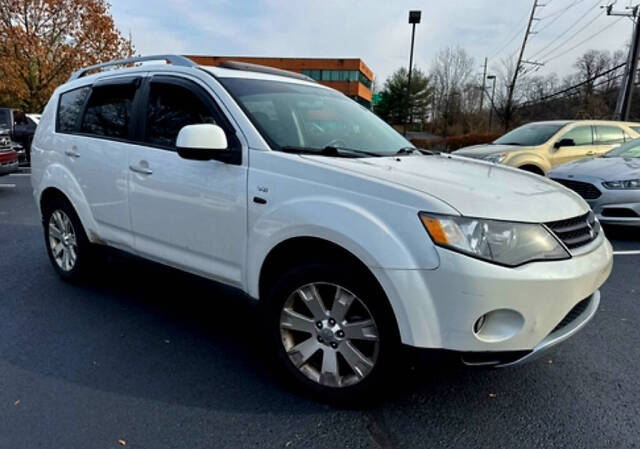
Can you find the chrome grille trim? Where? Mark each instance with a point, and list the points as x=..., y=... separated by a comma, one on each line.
x=576, y=232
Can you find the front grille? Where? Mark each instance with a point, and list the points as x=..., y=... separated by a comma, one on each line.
x=5, y=142
x=576, y=232
x=584, y=189
x=573, y=314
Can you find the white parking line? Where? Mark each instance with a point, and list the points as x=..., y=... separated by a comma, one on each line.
x=20, y=174
x=8, y=186
x=627, y=253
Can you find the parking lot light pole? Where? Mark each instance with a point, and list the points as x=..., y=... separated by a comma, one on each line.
x=414, y=18
x=493, y=94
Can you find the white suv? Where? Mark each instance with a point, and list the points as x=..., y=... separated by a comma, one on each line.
x=353, y=241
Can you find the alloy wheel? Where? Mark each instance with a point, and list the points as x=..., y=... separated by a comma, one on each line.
x=329, y=334
x=62, y=240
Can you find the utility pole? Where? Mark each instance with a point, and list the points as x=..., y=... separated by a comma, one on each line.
x=623, y=105
x=484, y=82
x=493, y=94
x=512, y=86
x=414, y=18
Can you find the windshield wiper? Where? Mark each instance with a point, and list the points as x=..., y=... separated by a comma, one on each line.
x=413, y=150
x=327, y=151
x=509, y=143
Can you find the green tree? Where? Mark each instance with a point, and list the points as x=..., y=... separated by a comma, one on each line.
x=393, y=98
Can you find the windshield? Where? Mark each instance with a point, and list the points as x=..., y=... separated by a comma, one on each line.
x=5, y=118
x=629, y=149
x=295, y=116
x=529, y=135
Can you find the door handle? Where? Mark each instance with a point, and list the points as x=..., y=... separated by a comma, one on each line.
x=140, y=169
x=590, y=153
x=72, y=153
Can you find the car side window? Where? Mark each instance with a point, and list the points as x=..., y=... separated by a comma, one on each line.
x=609, y=135
x=108, y=112
x=169, y=109
x=69, y=109
x=581, y=135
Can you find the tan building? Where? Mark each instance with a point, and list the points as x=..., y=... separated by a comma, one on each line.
x=350, y=76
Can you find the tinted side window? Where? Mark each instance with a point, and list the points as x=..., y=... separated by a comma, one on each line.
x=609, y=135
x=108, y=112
x=69, y=109
x=581, y=135
x=170, y=108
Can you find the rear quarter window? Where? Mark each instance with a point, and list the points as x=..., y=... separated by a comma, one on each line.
x=69, y=109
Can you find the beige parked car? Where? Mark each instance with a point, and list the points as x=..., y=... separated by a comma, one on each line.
x=538, y=146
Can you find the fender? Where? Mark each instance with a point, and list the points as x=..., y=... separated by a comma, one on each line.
x=59, y=177
x=357, y=229
x=530, y=158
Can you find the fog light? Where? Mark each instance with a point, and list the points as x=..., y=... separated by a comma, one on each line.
x=498, y=325
x=479, y=323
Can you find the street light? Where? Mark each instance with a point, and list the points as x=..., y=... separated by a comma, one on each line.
x=493, y=93
x=414, y=18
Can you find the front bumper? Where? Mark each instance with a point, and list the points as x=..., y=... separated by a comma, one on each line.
x=439, y=308
x=9, y=167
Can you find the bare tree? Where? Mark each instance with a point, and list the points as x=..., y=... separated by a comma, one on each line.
x=452, y=76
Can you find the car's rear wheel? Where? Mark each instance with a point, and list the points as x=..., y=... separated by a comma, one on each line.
x=68, y=247
x=332, y=330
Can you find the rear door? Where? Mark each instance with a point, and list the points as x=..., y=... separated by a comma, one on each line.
x=96, y=147
x=582, y=137
x=190, y=214
x=608, y=137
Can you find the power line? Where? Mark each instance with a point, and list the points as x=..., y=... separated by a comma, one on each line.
x=575, y=23
x=580, y=84
x=558, y=14
x=570, y=38
x=602, y=30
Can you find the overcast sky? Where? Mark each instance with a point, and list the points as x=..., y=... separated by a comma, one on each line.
x=376, y=31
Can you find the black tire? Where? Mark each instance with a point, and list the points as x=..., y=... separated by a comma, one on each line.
x=532, y=169
x=27, y=150
x=364, y=287
x=86, y=253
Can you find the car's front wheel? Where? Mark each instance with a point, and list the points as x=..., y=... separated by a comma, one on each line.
x=333, y=330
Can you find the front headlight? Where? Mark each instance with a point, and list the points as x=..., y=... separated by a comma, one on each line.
x=495, y=158
x=629, y=184
x=501, y=242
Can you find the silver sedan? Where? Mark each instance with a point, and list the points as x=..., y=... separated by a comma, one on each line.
x=610, y=183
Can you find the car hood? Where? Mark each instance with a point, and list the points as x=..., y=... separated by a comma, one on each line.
x=473, y=188
x=480, y=151
x=605, y=168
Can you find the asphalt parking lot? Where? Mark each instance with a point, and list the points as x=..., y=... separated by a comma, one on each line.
x=149, y=357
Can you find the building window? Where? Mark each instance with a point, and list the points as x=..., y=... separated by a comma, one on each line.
x=353, y=76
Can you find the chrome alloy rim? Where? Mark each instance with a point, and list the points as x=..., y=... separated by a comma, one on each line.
x=329, y=334
x=62, y=240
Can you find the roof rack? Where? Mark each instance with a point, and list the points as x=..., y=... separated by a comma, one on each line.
x=247, y=66
x=171, y=59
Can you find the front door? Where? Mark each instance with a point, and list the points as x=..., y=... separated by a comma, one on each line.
x=582, y=139
x=186, y=213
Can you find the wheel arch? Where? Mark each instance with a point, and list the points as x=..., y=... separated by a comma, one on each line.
x=532, y=168
x=58, y=181
x=296, y=250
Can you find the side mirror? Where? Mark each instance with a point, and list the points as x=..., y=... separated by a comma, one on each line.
x=202, y=142
x=564, y=143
